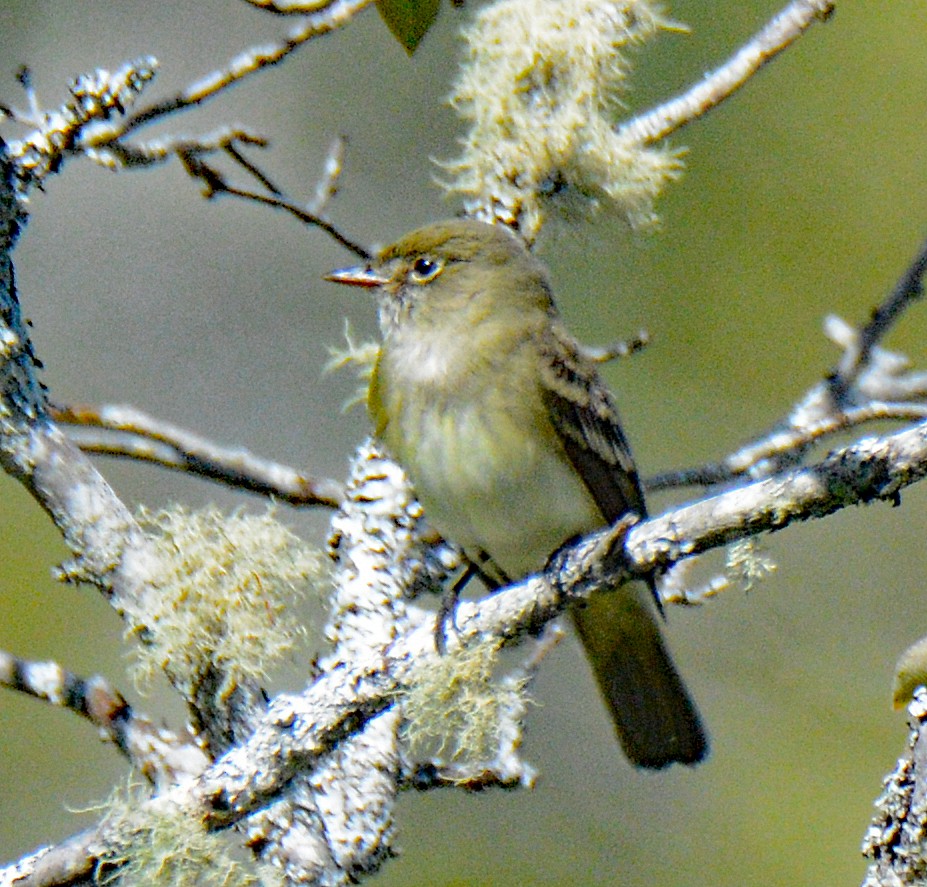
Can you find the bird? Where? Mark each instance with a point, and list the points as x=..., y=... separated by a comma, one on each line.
x=514, y=447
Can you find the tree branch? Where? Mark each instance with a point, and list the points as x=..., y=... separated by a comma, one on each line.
x=329, y=17
x=298, y=733
x=774, y=37
x=160, y=755
x=870, y=384
x=113, y=430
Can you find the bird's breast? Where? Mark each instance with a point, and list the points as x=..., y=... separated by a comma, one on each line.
x=483, y=455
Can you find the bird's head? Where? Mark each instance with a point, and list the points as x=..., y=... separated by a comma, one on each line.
x=434, y=273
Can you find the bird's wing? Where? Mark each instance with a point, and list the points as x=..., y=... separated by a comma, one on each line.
x=583, y=415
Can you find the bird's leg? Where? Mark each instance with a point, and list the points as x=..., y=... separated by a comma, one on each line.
x=448, y=607
x=477, y=565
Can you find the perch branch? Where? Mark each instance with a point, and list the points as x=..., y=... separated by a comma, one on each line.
x=298, y=730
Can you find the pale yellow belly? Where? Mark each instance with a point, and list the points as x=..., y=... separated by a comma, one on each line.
x=503, y=487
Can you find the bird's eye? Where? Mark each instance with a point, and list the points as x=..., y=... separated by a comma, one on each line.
x=424, y=270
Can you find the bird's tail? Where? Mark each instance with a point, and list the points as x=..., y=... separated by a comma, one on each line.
x=656, y=720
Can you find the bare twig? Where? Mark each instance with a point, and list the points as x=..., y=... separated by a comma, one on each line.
x=215, y=184
x=107, y=148
x=723, y=82
x=782, y=446
x=909, y=289
x=870, y=384
x=163, y=757
x=328, y=18
x=131, y=433
x=91, y=698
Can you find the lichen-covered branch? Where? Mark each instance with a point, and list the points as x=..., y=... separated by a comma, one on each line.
x=541, y=90
x=110, y=549
x=299, y=732
x=895, y=841
x=343, y=806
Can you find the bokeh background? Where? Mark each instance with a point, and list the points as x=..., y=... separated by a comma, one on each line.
x=806, y=194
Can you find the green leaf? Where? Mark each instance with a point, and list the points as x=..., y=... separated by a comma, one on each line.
x=409, y=20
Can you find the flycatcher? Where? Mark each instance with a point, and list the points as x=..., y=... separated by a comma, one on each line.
x=514, y=446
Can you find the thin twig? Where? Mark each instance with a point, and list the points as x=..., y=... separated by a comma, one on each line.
x=215, y=184
x=106, y=146
x=850, y=396
x=908, y=290
x=303, y=215
x=91, y=698
x=235, y=153
x=783, y=445
x=723, y=82
x=163, y=757
x=332, y=16
x=134, y=434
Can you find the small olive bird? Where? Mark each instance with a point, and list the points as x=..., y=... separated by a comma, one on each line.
x=514, y=446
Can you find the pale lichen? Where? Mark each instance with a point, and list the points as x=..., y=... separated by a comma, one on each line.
x=358, y=356
x=457, y=710
x=170, y=847
x=227, y=588
x=541, y=89
x=747, y=565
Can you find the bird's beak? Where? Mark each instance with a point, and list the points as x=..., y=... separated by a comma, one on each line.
x=360, y=275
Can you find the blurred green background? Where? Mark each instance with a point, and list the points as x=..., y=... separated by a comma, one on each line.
x=806, y=194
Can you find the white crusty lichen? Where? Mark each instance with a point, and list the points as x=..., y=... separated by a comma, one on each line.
x=541, y=89
x=227, y=586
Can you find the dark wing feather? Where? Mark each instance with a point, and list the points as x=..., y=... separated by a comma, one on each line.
x=582, y=412
x=655, y=719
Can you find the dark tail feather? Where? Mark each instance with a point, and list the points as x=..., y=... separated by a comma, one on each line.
x=656, y=720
